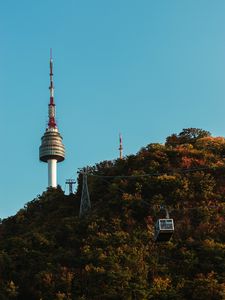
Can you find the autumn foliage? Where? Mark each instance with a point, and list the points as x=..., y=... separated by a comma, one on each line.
x=47, y=252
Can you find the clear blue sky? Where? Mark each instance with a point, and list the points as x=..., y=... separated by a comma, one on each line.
x=145, y=68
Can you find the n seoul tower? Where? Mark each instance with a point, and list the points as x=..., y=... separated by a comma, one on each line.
x=52, y=149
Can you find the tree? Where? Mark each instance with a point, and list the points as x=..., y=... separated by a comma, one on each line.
x=186, y=136
x=205, y=287
x=48, y=252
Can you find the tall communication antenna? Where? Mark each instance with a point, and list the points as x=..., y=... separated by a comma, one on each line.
x=121, y=146
x=70, y=182
x=85, y=203
x=52, y=149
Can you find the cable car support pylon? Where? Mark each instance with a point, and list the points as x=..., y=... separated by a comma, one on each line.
x=85, y=203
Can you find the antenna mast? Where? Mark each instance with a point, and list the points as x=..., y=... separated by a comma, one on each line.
x=51, y=106
x=121, y=146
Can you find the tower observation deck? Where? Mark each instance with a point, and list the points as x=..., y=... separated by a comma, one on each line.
x=52, y=149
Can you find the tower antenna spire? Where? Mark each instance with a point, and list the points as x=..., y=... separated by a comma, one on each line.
x=121, y=146
x=51, y=106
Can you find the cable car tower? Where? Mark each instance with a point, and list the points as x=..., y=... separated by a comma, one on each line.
x=70, y=182
x=85, y=203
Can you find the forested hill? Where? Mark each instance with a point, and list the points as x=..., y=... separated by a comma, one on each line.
x=47, y=252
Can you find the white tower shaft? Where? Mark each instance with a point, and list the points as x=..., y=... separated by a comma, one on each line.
x=52, y=173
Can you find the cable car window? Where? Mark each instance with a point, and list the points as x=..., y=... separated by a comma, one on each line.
x=166, y=224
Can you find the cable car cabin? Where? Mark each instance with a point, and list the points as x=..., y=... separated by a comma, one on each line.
x=164, y=229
